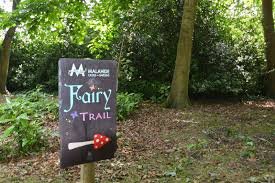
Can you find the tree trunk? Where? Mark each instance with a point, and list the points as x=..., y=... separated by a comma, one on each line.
x=5, y=55
x=269, y=34
x=178, y=97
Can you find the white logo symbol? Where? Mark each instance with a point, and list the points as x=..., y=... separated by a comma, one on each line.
x=79, y=71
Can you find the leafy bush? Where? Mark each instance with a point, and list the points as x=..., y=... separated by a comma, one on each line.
x=126, y=103
x=231, y=60
x=27, y=134
x=161, y=94
x=249, y=148
x=228, y=50
x=22, y=118
x=152, y=90
x=36, y=62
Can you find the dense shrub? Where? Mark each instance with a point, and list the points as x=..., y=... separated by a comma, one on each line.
x=22, y=118
x=126, y=103
x=227, y=60
x=152, y=90
x=36, y=62
x=228, y=52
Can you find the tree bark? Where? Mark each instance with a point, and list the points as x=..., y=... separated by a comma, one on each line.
x=269, y=34
x=5, y=55
x=178, y=97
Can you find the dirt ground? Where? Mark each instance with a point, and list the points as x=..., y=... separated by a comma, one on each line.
x=207, y=142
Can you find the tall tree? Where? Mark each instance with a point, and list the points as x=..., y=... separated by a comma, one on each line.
x=178, y=97
x=269, y=34
x=5, y=54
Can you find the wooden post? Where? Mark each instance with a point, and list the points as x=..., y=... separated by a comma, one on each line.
x=87, y=173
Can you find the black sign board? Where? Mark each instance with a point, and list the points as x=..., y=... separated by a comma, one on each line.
x=87, y=110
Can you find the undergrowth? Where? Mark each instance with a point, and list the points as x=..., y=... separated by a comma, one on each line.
x=22, y=120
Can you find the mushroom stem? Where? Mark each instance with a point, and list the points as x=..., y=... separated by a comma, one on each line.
x=74, y=145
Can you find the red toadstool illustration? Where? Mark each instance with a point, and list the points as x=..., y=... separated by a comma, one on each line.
x=98, y=142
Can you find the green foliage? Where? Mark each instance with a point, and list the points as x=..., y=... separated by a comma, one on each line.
x=104, y=24
x=5, y=19
x=228, y=51
x=201, y=143
x=231, y=60
x=58, y=16
x=180, y=168
x=153, y=90
x=196, y=150
x=249, y=149
x=126, y=103
x=148, y=40
x=35, y=62
x=51, y=30
x=162, y=94
x=22, y=118
x=28, y=135
x=228, y=45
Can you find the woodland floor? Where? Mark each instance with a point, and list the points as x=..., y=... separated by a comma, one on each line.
x=207, y=142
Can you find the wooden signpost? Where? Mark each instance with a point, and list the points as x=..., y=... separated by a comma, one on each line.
x=87, y=113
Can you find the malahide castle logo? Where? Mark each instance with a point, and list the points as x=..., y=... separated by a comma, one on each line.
x=77, y=72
